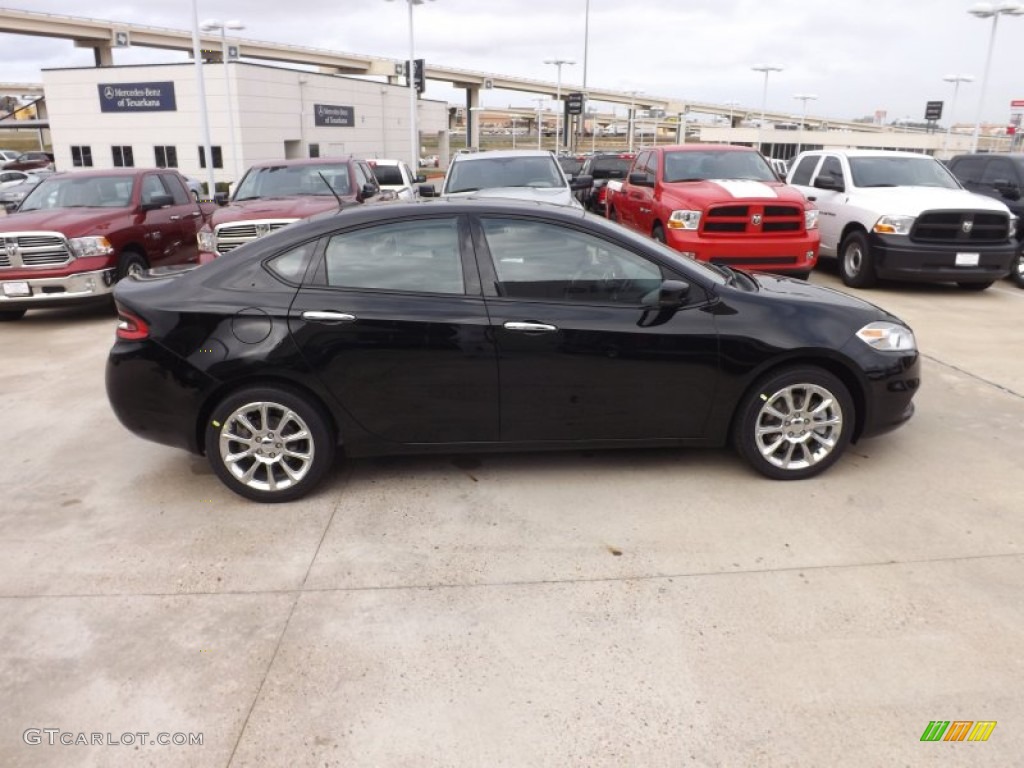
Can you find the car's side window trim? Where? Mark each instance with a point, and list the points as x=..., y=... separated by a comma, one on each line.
x=313, y=263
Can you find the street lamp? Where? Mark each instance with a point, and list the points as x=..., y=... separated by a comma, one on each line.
x=804, y=97
x=414, y=144
x=514, y=129
x=993, y=11
x=956, y=80
x=540, y=124
x=766, y=68
x=204, y=118
x=558, y=97
x=632, y=112
x=209, y=26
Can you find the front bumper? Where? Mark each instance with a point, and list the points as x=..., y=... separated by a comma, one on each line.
x=56, y=291
x=798, y=253
x=891, y=379
x=896, y=257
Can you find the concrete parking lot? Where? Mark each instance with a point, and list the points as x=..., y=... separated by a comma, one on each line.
x=650, y=608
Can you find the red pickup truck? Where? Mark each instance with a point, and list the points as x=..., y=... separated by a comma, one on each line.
x=718, y=203
x=78, y=233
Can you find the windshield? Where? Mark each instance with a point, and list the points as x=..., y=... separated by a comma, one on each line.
x=728, y=164
x=900, y=172
x=294, y=180
x=481, y=172
x=71, y=192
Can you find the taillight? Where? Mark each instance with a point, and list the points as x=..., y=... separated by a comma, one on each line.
x=131, y=327
x=602, y=193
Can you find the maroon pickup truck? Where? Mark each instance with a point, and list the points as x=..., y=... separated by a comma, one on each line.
x=78, y=233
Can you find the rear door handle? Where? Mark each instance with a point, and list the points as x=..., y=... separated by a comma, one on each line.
x=323, y=316
x=530, y=327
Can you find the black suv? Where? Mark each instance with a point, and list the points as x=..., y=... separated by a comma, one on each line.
x=603, y=166
x=1001, y=177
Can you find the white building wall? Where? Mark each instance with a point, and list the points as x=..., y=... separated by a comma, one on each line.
x=273, y=114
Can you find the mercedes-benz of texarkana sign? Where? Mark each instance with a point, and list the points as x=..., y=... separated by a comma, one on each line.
x=490, y=324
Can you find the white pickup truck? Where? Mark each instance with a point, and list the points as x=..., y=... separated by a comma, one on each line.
x=903, y=216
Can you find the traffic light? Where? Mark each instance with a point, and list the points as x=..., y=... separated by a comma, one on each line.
x=418, y=77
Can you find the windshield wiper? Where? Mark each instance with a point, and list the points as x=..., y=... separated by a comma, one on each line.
x=883, y=185
x=464, y=189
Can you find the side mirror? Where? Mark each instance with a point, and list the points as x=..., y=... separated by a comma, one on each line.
x=830, y=182
x=1007, y=189
x=673, y=293
x=420, y=178
x=428, y=190
x=368, y=191
x=583, y=181
x=639, y=179
x=158, y=201
x=221, y=198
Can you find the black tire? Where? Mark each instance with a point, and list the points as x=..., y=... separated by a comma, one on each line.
x=259, y=453
x=613, y=215
x=1017, y=268
x=11, y=314
x=976, y=286
x=774, y=426
x=856, y=264
x=658, y=233
x=130, y=263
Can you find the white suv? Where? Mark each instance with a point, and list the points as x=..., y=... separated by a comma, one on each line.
x=903, y=216
x=525, y=174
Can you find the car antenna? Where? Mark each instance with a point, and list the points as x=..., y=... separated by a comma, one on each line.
x=341, y=204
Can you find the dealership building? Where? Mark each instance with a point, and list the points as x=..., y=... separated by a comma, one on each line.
x=146, y=116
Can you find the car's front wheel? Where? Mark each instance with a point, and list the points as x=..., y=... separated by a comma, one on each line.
x=269, y=444
x=1017, y=268
x=11, y=314
x=856, y=264
x=795, y=423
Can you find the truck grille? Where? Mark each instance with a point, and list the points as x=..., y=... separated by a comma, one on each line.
x=230, y=236
x=33, y=249
x=753, y=219
x=961, y=227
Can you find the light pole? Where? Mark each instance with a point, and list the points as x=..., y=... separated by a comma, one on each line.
x=204, y=118
x=540, y=124
x=558, y=98
x=993, y=11
x=208, y=26
x=414, y=143
x=514, y=129
x=804, y=97
x=766, y=68
x=632, y=112
x=956, y=80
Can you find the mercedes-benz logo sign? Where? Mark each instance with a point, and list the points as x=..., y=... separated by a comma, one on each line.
x=108, y=92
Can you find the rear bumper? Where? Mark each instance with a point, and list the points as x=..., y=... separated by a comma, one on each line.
x=897, y=258
x=764, y=254
x=56, y=291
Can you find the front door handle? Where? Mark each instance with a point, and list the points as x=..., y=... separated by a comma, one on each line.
x=530, y=327
x=323, y=316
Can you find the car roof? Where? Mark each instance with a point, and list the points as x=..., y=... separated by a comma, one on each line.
x=868, y=153
x=384, y=161
x=502, y=153
x=302, y=161
x=110, y=172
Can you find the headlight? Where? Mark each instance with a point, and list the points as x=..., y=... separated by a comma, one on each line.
x=81, y=247
x=207, y=240
x=894, y=225
x=1014, y=223
x=889, y=337
x=684, y=220
x=811, y=218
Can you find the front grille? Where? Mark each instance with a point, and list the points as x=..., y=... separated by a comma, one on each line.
x=964, y=227
x=753, y=219
x=33, y=249
x=230, y=236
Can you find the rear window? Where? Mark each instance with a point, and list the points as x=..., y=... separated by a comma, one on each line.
x=610, y=167
x=388, y=174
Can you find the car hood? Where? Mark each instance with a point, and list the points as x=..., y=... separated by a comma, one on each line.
x=557, y=195
x=910, y=201
x=726, y=190
x=794, y=289
x=276, y=208
x=73, y=222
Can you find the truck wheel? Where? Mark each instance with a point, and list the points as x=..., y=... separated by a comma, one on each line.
x=975, y=286
x=794, y=423
x=1017, y=268
x=130, y=263
x=613, y=215
x=856, y=266
x=12, y=314
x=658, y=233
x=269, y=444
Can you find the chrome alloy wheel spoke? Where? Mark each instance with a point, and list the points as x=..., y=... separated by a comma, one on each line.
x=798, y=426
x=269, y=460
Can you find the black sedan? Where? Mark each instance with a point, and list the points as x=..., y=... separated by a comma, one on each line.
x=484, y=325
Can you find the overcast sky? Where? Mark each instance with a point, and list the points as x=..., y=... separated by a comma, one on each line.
x=857, y=56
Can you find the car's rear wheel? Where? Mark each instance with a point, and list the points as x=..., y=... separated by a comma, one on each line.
x=976, y=286
x=12, y=314
x=795, y=423
x=856, y=265
x=269, y=444
x=1017, y=268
